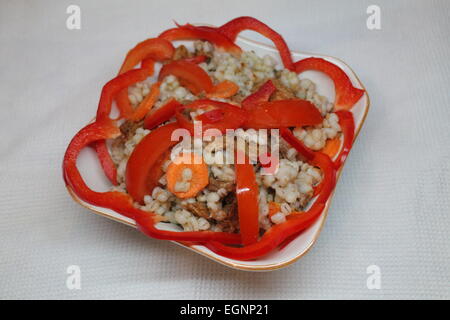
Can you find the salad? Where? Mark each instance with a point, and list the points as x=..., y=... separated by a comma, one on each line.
x=236, y=151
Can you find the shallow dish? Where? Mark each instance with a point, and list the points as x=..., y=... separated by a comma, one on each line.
x=298, y=247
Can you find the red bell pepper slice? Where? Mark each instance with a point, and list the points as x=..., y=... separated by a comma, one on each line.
x=148, y=63
x=190, y=32
x=283, y=113
x=189, y=75
x=144, y=158
x=230, y=116
x=295, y=223
x=114, y=86
x=155, y=48
x=161, y=115
x=106, y=161
x=147, y=51
x=261, y=95
x=110, y=90
x=119, y=201
x=304, y=151
x=232, y=28
x=247, y=193
x=346, y=94
x=146, y=224
x=100, y=130
x=348, y=130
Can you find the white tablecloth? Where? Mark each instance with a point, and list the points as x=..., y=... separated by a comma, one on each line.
x=391, y=207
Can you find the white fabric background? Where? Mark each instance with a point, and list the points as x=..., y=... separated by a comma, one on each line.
x=391, y=207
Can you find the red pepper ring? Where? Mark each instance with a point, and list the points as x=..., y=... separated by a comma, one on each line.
x=296, y=221
x=161, y=115
x=93, y=132
x=190, y=32
x=348, y=129
x=232, y=116
x=122, y=202
x=189, y=75
x=232, y=28
x=155, y=48
x=346, y=94
x=146, y=52
x=111, y=89
x=106, y=161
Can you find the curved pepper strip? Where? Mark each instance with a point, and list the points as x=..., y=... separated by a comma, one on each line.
x=232, y=28
x=348, y=130
x=147, y=52
x=148, y=63
x=161, y=115
x=190, y=32
x=346, y=94
x=230, y=117
x=304, y=151
x=156, y=49
x=189, y=75
x=296, y=221
x=144, y=159
x=106, y=161
x=100, y=130
x=121, y=202
x=111, y=89
x=283, y=113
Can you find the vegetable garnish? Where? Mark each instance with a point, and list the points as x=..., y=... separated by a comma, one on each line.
x=187, y=176
x=346, y=94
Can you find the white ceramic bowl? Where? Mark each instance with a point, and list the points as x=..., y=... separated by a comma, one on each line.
x=93, y=174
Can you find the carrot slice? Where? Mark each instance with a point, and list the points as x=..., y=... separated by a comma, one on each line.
x=146, y=104
x=332, y=147
x=225, y=89
x=199, y=170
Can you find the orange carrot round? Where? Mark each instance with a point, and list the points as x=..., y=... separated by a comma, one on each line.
x=199, y=178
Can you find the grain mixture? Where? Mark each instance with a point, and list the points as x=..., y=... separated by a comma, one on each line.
x=215, y=208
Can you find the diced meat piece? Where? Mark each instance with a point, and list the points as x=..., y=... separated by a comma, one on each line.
x=181, y=52
x=128, y=128
x=216, y=184
x=198, y=209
